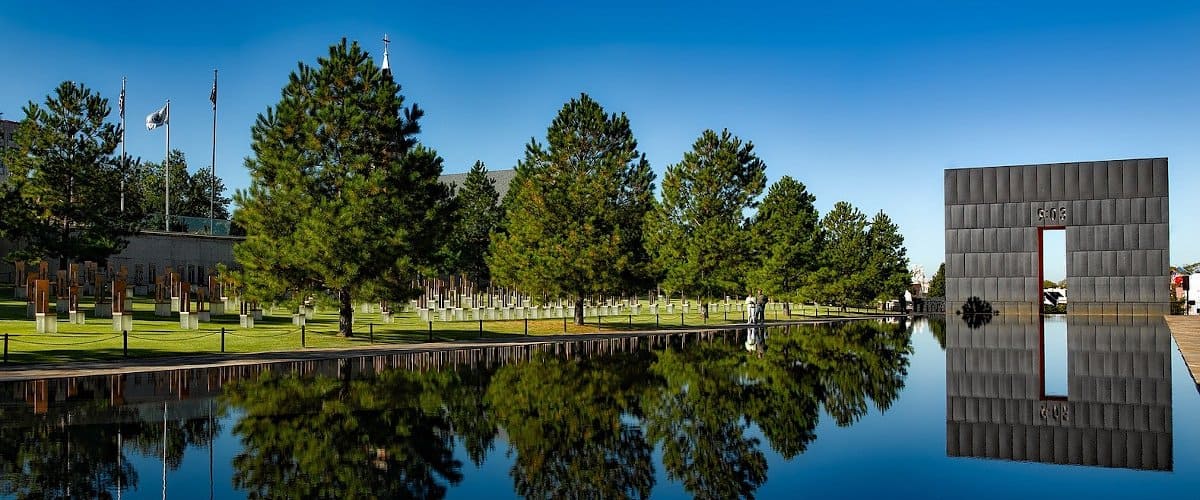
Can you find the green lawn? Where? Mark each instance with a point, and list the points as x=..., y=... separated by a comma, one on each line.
x=154, y=336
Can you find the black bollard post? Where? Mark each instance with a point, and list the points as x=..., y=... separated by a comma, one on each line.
x=630, y=321
x=526, y=327
x=431, y=331
x=222, y=339
x=371, y=332
x=125, y=343
x=481, y=328
x=656, y=320
x=564, y=324
x=6, y=348
x=303, y=341
x=681, y=320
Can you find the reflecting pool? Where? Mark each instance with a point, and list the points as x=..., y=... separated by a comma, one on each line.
x=1082, y=407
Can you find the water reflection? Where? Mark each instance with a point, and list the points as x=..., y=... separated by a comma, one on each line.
x=74, y=438
x=337, y=438
x=583, y=417
x=1117, y=410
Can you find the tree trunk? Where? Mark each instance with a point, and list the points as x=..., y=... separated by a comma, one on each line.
x=787, y=309
x=704, y=309
x=345, y=314
x=579, y=311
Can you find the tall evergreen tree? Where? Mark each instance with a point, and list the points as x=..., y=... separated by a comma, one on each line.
x=843, y=256
x=66, y=181
x=937, y=284
x=341, y=197
x=200, y=193
x=575, y=209
x=887, y=266
x=787, y=240
x=478, y=215
x=153, y=189
x=189, y=192
x=698, y=234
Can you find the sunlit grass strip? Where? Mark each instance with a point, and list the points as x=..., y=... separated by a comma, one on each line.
x=154, y=336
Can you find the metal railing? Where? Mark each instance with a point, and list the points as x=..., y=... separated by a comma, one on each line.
x=191, y=225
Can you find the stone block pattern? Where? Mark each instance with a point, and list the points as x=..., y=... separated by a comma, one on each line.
x=1118, y=406
x=1115, y=215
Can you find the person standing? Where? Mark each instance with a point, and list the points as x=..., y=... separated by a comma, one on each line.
x=761, y=301
x=751, y=310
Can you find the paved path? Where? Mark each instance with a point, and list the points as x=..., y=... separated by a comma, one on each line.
x=94, y=368
x=1186, y=330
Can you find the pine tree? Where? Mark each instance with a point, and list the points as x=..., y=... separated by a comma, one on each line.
x=937, y=285
x=478, y=215
x=698, y=234
x=66, y=181
x=887, y=267
x=341, y=197
x=200, y=189
x=787, y=241
x=575, y=209
x=150, y=183
x=189, y=192
x=845, y=253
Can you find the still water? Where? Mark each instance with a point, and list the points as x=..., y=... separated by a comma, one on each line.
x=1001, y=408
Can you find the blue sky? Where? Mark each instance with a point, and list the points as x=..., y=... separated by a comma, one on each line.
x=865, y=102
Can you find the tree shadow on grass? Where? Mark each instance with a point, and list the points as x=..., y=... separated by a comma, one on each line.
x=10, y=310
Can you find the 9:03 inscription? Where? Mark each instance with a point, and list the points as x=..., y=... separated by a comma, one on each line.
x=1052, y=215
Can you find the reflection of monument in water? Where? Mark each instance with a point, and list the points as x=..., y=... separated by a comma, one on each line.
x=1117, y=410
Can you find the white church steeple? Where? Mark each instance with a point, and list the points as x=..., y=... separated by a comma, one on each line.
x=387, y=67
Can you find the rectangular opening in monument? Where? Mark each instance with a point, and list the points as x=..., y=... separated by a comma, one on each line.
x=1054, y=357
x=1052, y=269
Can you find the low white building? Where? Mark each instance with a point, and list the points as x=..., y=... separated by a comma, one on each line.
x=1054, y=296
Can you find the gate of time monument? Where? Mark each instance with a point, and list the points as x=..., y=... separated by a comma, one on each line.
x=1115, y=214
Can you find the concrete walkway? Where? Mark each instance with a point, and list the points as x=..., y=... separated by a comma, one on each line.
x=96, y=368
x=1186, y=330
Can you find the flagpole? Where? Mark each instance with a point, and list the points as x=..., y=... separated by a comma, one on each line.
x=164, y=469
x=120, y=452
x=123, y=163
x=167, y=174
x=211, y=426
x=213, y=192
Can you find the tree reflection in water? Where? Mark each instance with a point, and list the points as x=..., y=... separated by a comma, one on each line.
x=80, y=452
x=696, y=416
x=565, y=424
x=386, y=437
x=62, y=462
x=581, y=427
x=586, y=426
x=710, y=395
x=937, y=326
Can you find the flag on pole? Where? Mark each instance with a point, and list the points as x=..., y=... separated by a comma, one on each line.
x=121, y=100
x=157, y=119
x=212, y=96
